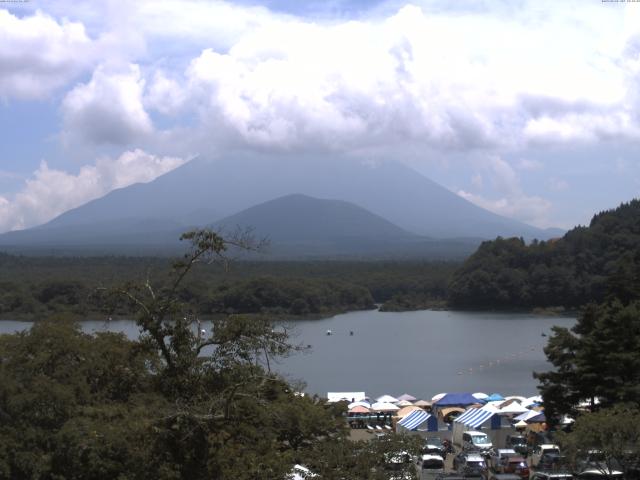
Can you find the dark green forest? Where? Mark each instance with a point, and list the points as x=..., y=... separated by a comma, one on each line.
x=586, y=265
x=33, y=288
x=79, y=406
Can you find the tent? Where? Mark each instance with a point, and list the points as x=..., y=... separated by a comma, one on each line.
x=407, y=397
x=423, y=403
x=456, y=400
x=387, y=399
x=404, y=403
x=384, y=407
x=417, y=418
x=494, y=397
x=540, y=418
x=527, y=415
x=403, y=412
x=481, y=396
x=437, y=397
x=333, y=397
x=474, y=417
x=361, y=403
x=513, y=408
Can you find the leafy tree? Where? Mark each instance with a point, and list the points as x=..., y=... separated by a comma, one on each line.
x=598, y=358
x=611, y=435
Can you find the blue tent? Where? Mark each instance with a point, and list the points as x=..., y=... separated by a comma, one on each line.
x=494, y=397
x=456, y=400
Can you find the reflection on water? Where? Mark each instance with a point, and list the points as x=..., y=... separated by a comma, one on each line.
x=422, y=353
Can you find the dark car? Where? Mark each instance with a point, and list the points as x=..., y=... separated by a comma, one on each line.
x=434, y=446
x=552, y=461
x=470, y=465
x=518, y=443
x=514, y=464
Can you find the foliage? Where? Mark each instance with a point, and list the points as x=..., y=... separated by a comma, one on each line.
x=177, y=403
x=598, y=358
x=587, y=264
x=38, y=287
x=611, y=435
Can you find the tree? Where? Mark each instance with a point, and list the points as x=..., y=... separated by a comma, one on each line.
x=599, y=358
x=611, y=435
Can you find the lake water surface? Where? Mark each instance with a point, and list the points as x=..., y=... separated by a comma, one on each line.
x=422, y=353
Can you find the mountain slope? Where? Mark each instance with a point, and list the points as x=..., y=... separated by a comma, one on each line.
x=223, y=187
x=585, y=265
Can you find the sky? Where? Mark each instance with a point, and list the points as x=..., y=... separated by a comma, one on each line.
x=529, y=108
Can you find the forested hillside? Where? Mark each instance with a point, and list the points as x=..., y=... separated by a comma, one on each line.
x=33, y=288
x=585, y=265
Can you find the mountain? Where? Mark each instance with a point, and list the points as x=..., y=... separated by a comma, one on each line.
x=204, y=191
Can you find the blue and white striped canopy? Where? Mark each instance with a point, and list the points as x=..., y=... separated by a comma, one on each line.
x=474, y=417
x=414, y=419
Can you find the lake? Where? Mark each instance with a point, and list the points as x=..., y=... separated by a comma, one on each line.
x=422, y=353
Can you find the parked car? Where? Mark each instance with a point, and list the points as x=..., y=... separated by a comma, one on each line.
x=504, y=476
x=470, y=464
x=599, y=473
x=552, y=461
x=518, y=443
x=513, y=464
x=543, y=449
x=549, y=475
x=501, y=454
x=429, y=466
x=434, y=446
x=473, y=440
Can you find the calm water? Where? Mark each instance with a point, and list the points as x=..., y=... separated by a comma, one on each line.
x=422, y=353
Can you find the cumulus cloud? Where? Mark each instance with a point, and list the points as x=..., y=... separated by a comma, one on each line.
x=50, y=192
x=108, y=109
x=39, y=54
x=512, y=200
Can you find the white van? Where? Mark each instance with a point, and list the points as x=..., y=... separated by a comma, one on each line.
x=428, y=466
x=472, y=440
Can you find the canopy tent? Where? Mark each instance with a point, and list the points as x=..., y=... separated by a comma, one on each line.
x=437, y=397
x=403, y=412
x=527, y=415
x=540, y=418
x=494, y=397
x=456, y=400
x=423, y=403
x=387, y=399
x=384, y=407
x=414, y=419
x=474, y=417
x=333, y=397
x=407, y=397
x=445, y=412
x=516, y=397
x=480, y=396
x=404, y=403
x=513, y=408
x=531, y=401
x=360, y=403
x=359, y=409
x=521, y=424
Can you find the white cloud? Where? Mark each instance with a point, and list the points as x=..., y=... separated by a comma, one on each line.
x=39, y=54
x=512, y=200
x=108, y=109
x=49, y=192
x=529, y=165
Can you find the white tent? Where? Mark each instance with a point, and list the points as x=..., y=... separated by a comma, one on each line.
x=333, y=397
x=513, y=407
x=384, y=407
x=437, y=397
x=387, y=398
x=360, y=404
x=480, y=395
x=404, y=403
